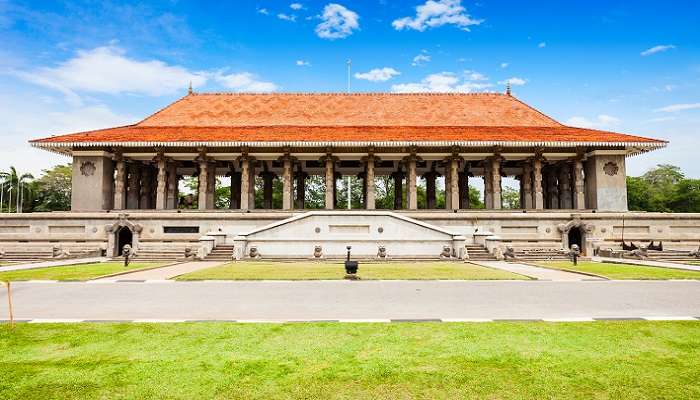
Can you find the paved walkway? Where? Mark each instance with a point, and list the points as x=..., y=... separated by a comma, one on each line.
x=649, y=263
x=356, y=301
x=546, y=274
x=57, y=263
x=164, y=272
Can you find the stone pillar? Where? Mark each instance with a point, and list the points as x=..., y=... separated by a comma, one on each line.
x=134, y=193
x=552, y=189
x=537, y=195
x=496, y=182
x=203, y=188
x=235, y=200
x=301, y=187
x=330, y=181
x=606, y=187
x=287, y=186
x=565, y=195
x=268, y=178
x=464, y=190
x=412, y=194
x=430, y=177
x=526, y=182
x=398, y=176
x=162, y=183
x=92, y=182
x=173, y=181
x=120, y=183
x=452, y=183
x=370, y=201
x=488, y=186
x=579, y=201
x=448, y=185
x=247, y=182
x=146, y=189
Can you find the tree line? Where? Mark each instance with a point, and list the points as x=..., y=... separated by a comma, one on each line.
x=663, y=189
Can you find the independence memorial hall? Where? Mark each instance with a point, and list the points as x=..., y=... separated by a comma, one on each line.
x=127, y=181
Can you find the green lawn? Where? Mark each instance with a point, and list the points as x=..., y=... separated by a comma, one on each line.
x=81, y=272
x=529, y=360
x=252, y=270
x=623, y=271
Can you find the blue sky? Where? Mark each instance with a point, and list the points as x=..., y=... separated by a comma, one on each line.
x=631, y=67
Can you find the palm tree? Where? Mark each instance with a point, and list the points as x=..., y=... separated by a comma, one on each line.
x=15, y=190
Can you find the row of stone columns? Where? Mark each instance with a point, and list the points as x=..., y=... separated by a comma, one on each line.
x=144, y=186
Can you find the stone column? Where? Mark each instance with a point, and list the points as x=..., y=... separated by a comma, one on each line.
x=448, y=185
x=370, y=201
x=496, y=182
x=565, y=198
x=134, y=193
x=162, y=183
x=398, y=176
x=120, y=183
x=452, y=183
x=287, y=186
x=537, y=195
x=247, y=183
x=579, y=201
x=526, y=181
x=172, y=186
x=430, y=178
x=268, y=178
x=203, y=189
x=235, y=199
x=330, y=181
x=464, y=190
x=301, y=187
x=552, y=188
x=412, y=194
x=146, y=189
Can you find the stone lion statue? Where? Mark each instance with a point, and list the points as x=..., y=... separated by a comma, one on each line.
x=446, y=252
x=318, y=251
x=253, y=252
x=509, y=254
x=381, y=252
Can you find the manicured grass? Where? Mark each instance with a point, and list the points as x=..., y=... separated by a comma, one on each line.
x=624, y=271
x=252, y=270
x=81, y=272
x=529, y=360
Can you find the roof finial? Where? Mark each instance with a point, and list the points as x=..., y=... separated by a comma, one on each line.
x=508, y=88
x=189, y=91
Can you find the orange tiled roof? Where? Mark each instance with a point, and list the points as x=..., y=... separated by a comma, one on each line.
x=333, y=118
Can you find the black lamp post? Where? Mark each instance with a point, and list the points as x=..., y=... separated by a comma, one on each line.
x=350, y=266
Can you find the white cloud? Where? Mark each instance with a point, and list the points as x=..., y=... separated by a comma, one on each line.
x=433, y=14
x=444, y=82
x=378, y=74
x=475, y=76
x=286, y=17
x=514, y=81
x=243, y=82
x=679, y=107
x=108, y=70
x=504, y=65
x=661, y=119
x=420, y=59
x=263, y=11
x=657, y=49
x=542, y=45
x=296, y=6
x=600, y=122
x=303, y=63
x=338, y=22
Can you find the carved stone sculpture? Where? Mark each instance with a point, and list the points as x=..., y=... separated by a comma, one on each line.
x=381, y=252
x=253, y=252
x=318, y=251
x=446, y=252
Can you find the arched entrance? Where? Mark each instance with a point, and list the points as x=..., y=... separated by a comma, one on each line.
x=576, y=237
x=123, y=237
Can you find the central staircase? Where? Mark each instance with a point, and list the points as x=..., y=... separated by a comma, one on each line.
x=222, y=252
x=479, y=253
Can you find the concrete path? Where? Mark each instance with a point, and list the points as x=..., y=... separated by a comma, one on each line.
x=546, y=274
x=57, y=263
x=164, y=272
x=648, y=263
x=354, y=301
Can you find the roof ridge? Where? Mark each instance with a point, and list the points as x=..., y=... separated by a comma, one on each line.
x=535, y=110
x=346, y=94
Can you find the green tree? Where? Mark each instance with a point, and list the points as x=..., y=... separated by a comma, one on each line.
x=52, y=191
x=686, y=196
x=638, y=191
x=511, y=198
x=16, y=190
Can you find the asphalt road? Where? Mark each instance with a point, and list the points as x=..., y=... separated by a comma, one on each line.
x=345, y=300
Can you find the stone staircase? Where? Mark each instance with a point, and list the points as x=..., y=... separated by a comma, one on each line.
x=541, y=254
x=27, y=255
x=479, y=253
x=220, y=253
x=671, y=255
x=159, y=253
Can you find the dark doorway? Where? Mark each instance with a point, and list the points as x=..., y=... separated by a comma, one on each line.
x=124, y=237
x=576, y=238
